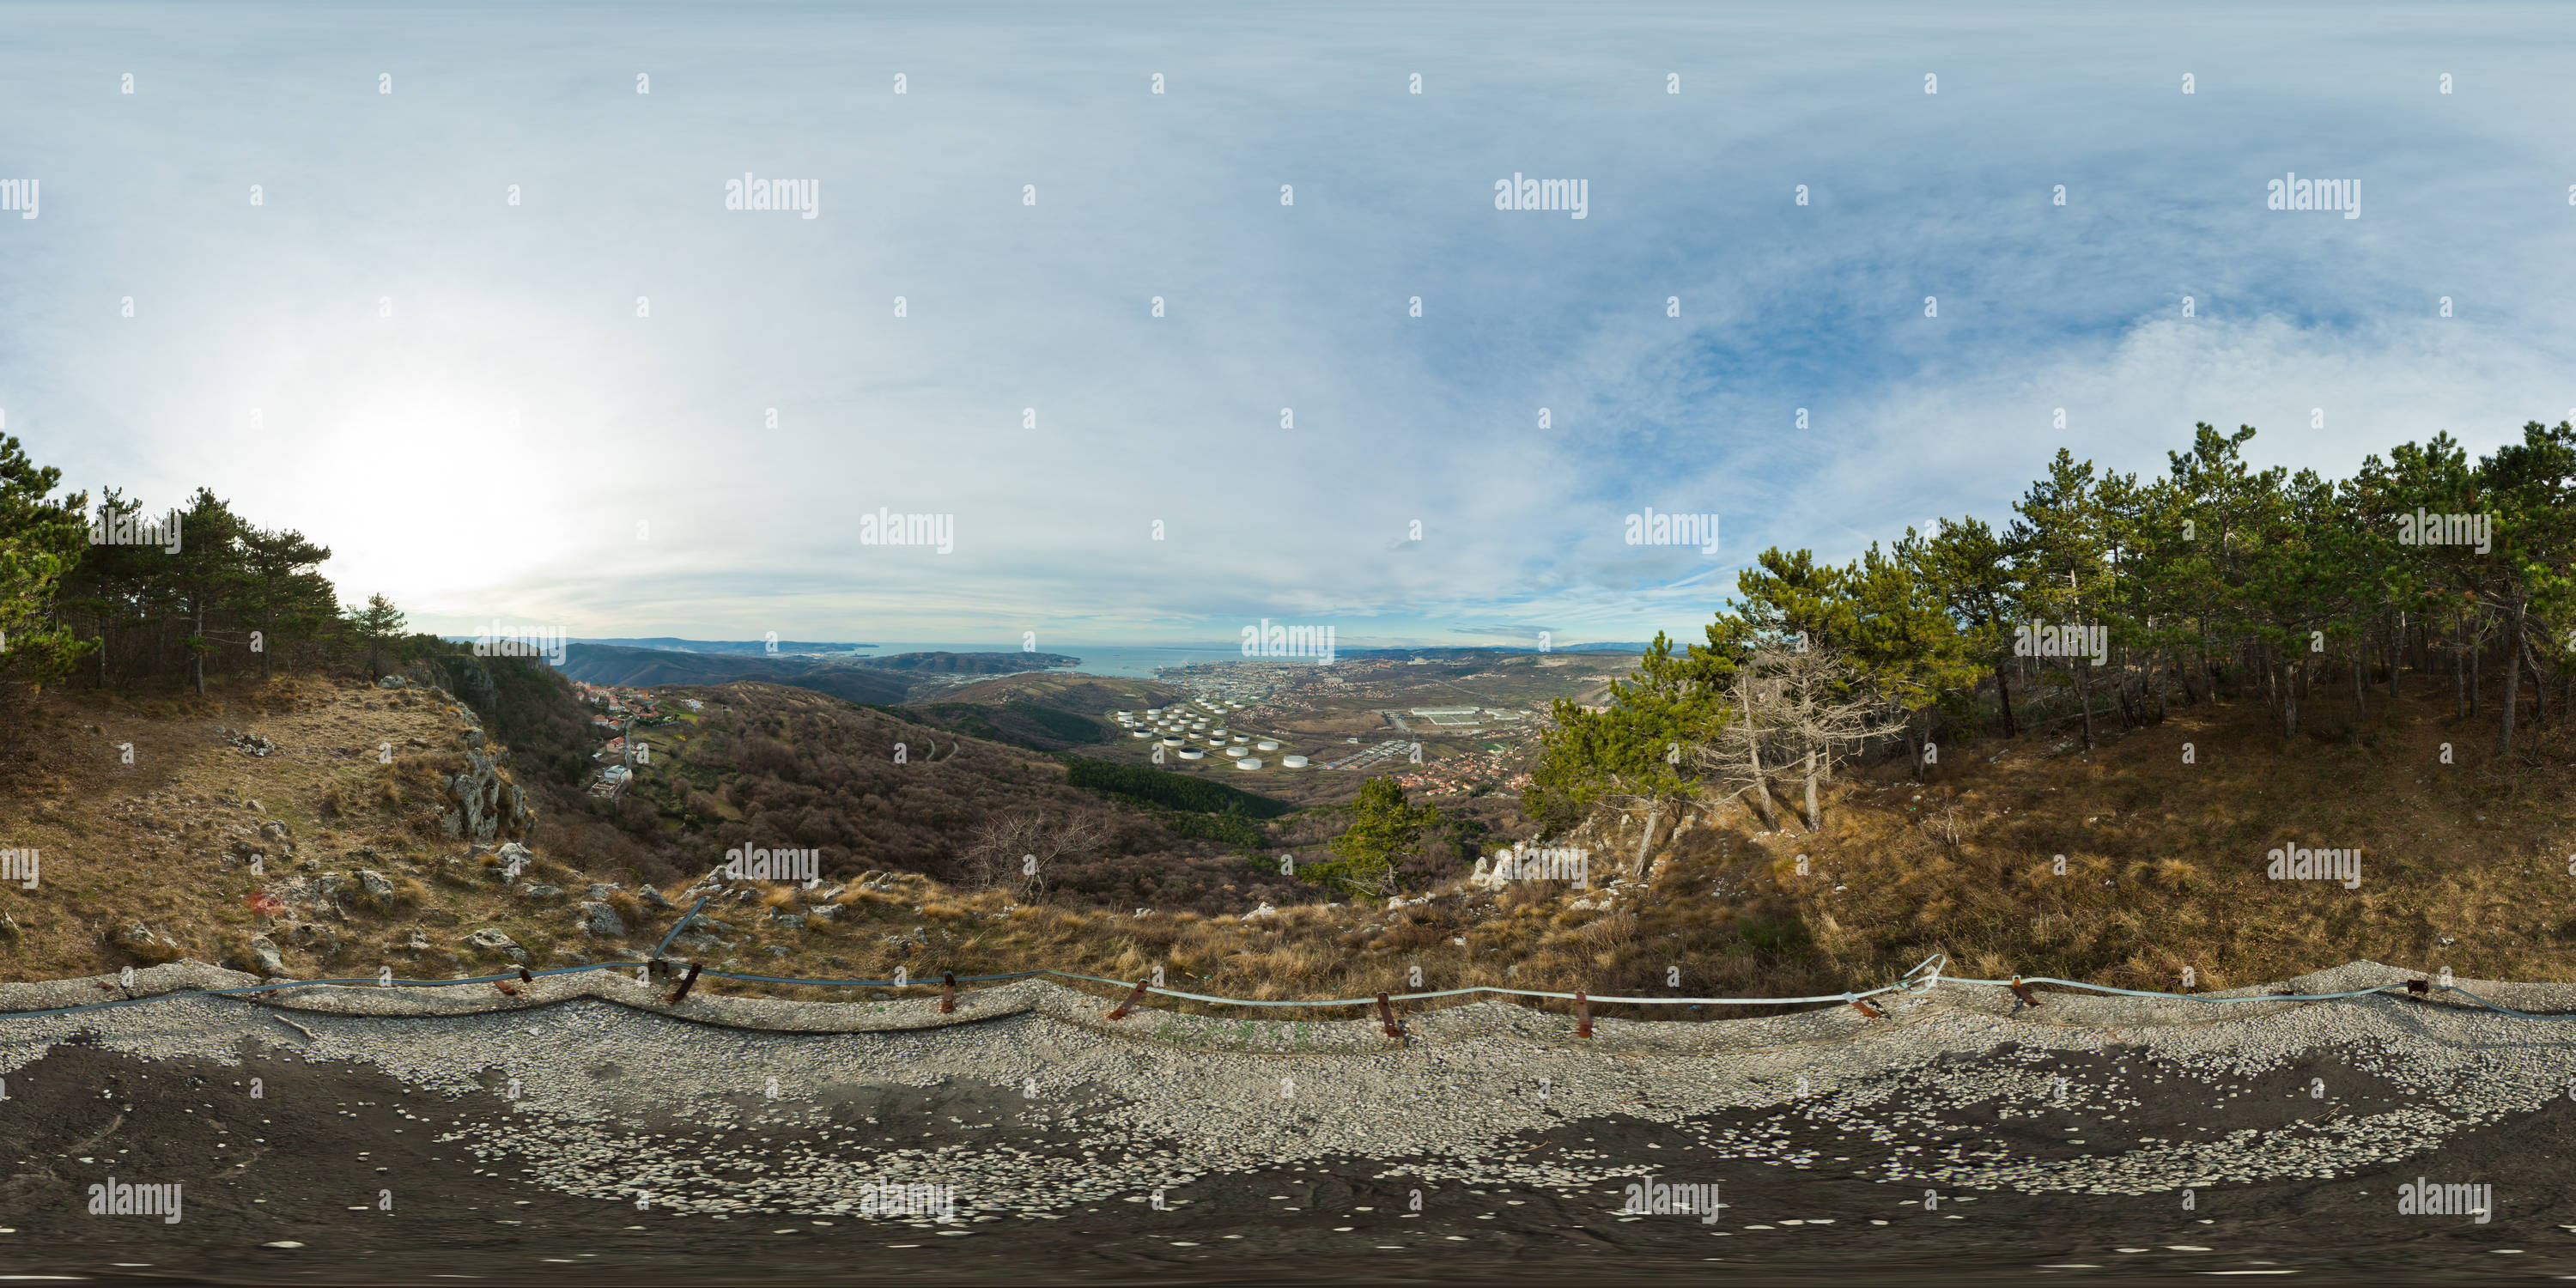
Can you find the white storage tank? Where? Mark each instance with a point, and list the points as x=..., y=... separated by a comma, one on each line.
x=1192, y=753
x=1171, y=742
x=1248, y=762
x=1292, y=762
x=1267, y=744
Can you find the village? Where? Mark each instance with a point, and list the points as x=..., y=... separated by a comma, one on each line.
x=625, y=710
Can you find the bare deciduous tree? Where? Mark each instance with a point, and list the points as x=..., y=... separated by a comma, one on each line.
x=1792, y=705
x=1018, y=849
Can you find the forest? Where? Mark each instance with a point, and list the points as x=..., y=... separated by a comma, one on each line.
x=2108, y=597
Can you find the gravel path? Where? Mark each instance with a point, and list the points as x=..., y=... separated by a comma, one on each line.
x=1491, y=1134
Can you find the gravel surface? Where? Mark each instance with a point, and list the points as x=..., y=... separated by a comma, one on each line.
x=583, y=1126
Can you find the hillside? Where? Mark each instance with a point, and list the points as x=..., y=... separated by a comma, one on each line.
x=364, y=864
x=1041, y=710
x=782, y=767
x=646, y=667
x=850, y=677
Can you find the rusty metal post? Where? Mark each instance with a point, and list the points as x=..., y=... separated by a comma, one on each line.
x=1129, y=1004
x=1582, y=1016
x=1862, y=1005
x=525, y=977
x=2022, y=991
x=948, y=993
x=1386, y=1016
x=682, y=992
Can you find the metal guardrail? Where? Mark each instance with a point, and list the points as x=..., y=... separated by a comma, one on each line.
x=1919, y=980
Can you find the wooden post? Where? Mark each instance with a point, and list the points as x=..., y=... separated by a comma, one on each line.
x=1129, y=1004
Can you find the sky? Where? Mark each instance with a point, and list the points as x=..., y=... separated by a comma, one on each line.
x=619, y=408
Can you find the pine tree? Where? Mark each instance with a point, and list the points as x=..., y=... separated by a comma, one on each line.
x=376, y=624
x=1385, y=830
x=1636, y=750
x=41, y=539
x=1974, y=576
x=281, y=591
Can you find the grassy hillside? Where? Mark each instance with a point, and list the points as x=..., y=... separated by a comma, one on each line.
x=2464, y=865
x=781, y=767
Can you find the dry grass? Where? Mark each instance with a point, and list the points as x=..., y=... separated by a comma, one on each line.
x=2163, y=870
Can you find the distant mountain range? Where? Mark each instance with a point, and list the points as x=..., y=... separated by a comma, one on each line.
x=728, y=647
x=878, y=681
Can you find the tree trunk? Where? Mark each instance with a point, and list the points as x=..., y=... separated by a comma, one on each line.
x=2539, y=685
x=2003, y=690
x=2084, y=696
x=1761, y=792
x=2459, y=682
x=2477, y=665
x=1654, y=811
x=2290, y=699
x=2512, y=681
x=198, y=653
x=2396, y=656
x=1813, y=822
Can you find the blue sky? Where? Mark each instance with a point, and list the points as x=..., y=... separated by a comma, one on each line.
x=489, y=450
